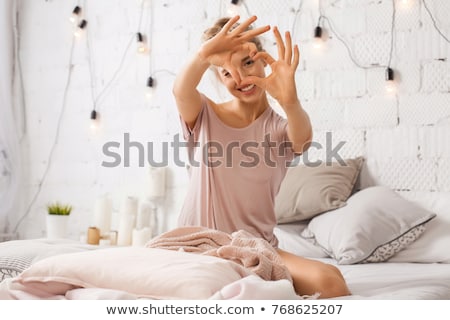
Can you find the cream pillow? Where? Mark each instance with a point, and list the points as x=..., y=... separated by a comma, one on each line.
x=375, y=224
x=308, y=191
x=143, y=272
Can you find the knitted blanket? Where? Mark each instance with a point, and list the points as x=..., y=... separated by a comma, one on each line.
x=241, y=247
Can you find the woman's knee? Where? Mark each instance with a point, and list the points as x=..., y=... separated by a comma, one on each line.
x=330, y=281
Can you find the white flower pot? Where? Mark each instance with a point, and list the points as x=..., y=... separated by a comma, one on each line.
x=56, y=226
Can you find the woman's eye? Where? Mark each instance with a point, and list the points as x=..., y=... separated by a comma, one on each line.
x=226, y=74
x=249, y=62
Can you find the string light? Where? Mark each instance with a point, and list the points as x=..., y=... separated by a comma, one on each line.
x=94, y=121
x=75, y=14
x=405, y=3
x=318, y=40
x=390, y=83
x=80, y=28
x=233, y=8
x=142, y=48
x=149, y=89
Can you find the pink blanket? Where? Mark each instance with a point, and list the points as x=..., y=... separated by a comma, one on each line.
x=241, y=247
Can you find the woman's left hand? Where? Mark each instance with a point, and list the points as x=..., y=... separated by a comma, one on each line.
x=280, y=84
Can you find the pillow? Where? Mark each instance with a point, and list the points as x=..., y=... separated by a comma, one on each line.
x=289, y=240
x=17, y=255
x=143, y=272
x=308, y=191
x=375, y=224
x=432, y=246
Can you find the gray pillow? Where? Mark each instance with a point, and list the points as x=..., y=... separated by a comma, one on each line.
x=308, y=191
x=375, y=224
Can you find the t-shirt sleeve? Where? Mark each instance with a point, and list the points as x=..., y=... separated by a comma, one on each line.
x=189, y=133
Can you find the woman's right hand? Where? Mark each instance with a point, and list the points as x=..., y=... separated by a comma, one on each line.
x=217, y=51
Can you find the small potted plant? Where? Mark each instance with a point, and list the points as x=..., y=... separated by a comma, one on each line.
x=57, y=218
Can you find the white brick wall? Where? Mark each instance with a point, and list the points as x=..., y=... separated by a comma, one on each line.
x=404, y=135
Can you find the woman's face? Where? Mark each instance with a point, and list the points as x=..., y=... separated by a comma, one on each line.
x=241, y=66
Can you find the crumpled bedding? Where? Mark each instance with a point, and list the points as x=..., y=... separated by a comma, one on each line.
x=241, y=247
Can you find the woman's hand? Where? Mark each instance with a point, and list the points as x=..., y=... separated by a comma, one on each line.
x=280, y=84
x=219, y=49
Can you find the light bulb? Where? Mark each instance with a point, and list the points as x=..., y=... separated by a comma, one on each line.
x=233, y=8
x=75, y=14
x=141, y=48
x=94, y=121
x=390, y=83
x=80, y=28
x=149, y=88
x=318, y=41
x=406, y=3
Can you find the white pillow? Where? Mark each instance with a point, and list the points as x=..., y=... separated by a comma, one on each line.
x=433, y=245
x=375, y=224
x=143, y=272
x=289, y=239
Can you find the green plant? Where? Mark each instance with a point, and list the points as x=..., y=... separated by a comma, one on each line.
x=59, y=209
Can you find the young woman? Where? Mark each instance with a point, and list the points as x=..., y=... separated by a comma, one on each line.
x=240, y=149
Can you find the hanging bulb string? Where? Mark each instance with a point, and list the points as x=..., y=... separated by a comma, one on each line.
x=391, y=49
x=296, y=14
x=434, y=21
x=55, y=140
x=349, y=51
x=97, y=98
x=18, y=61
x=244, y=4
x=165, y=71
x=150, y=28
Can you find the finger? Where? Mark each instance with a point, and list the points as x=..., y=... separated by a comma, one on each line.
x=253, y=33
x=264, y=56
x=296, y=60
x=249, y=47
x=234, y=73
x=280, y=43
x=226, y=28
x=288, y=53
x=244, y=25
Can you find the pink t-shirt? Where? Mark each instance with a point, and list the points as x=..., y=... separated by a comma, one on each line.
x=235, y=173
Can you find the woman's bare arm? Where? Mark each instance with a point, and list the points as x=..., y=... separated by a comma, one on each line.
x=185, y=91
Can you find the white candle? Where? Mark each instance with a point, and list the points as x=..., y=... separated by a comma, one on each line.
x=156, y=182
x=154, y=226
x=102, y=214
x=141, y=237
x=126, y=226
x=143, y=217
x=130, y=206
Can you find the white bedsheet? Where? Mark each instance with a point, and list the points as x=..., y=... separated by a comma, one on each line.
x=394, y=281
x=388, y=280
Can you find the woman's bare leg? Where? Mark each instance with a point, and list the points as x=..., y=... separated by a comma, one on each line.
x=311, y=276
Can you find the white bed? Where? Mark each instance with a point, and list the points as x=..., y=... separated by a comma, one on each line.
x=386, y=280
x=388, y=245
